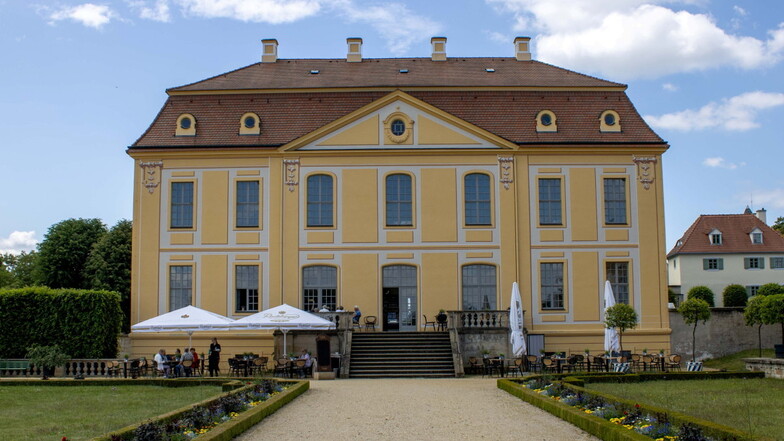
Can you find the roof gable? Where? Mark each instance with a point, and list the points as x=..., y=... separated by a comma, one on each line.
x=736, y=238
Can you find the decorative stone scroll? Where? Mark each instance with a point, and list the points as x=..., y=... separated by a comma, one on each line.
x=291, y=174
x=151, y=174
x=507, y=171
x=645, y=170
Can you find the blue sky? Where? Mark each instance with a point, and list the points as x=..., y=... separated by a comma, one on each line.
x=82, y=80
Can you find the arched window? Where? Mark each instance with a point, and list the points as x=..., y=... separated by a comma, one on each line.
x=319, y=287
x=320, y=201
x=399, y=197
x=479, y=287
x=477, y=199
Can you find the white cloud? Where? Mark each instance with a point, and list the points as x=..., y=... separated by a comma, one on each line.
x=669, y=87
x=767, y=198
x=394, y=21
x=159, y=11
x=88, y=14
x=719, y=162
x=499, y=37
x=740, y=11
x=634, y=38
x=257, y=11
x=738, y=113
x=18, y=241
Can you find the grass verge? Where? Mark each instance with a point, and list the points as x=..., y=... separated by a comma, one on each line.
x=734, y=362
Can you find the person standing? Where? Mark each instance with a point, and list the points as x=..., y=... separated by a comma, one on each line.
x=357, y=314
x=214, y=357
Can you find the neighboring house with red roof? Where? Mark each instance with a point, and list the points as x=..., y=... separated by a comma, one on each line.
x=723, y=249
x=404, y=186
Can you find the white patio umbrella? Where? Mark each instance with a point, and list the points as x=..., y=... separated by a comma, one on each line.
x=187, y=319
x=284, y=318
x=611, y=341
x=516, y=336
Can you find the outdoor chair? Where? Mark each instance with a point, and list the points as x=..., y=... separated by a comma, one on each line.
x=112, y=368
x=596, y=364
x=648, y=363
x=299, y=368
x=234, y=367
x=428, y=323
x=637, y=363
x=187, y=366
x=370, y=322
x=579, y=362
x=674, y=362
x=549, y=365
x=282, y=367
x=517, y=366
x=474, y=366
x=259, y=366
x=533, y=363
x=133, y=369
x=490, y=367
x=570, y=365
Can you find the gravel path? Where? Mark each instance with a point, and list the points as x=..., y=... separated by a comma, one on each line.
x=403, y=409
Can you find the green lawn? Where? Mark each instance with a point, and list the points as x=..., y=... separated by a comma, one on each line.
x=43, y=413
x=734, y=362
x=751, y=405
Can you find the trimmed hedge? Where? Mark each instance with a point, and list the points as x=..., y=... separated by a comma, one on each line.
x=226, y=430
x=609, y=431
x=83, y=323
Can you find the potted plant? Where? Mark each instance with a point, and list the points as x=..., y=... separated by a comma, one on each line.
x=485, y=353
x=125, y=357
x=501, y=356
x=47, y=358
x=622, y=317
x=661, y=352
x=644, y=351
x=587, y=352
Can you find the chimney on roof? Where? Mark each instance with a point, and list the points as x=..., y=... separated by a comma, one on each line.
x=269, y=50
x=522, y=48
x=354, y=50
x=439, y=48
x=762, y=215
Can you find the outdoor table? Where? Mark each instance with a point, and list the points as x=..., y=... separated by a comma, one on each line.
x=559, y=361
x=500, y=363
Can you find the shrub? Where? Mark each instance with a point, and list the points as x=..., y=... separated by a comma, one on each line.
x=693, y=312
x=703, y=293
x=770, y=289
x=734, y=295
x=621, y=316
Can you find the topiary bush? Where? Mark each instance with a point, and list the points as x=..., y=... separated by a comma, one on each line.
x=770, y=289
x=734, y=295
x=702, y=293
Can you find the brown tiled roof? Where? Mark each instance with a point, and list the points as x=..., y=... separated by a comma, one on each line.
x=508, y=114
x=385, y=72
x=735, y=230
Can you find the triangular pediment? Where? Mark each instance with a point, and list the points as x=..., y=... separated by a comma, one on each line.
x=398, y=121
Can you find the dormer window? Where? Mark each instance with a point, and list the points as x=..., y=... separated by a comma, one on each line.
x=546, y=122
x=609, y=121
x=186, y=125
x=715, y=237
x=250, y=124
x=756, y=236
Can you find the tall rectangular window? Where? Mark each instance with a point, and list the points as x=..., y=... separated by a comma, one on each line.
x=182, y=205
x=618, y=275
x=479, y=287
x=180, y=286
x=551, y=278
x=320, y=201
x=320, y=287
x=477, y=199
x=615, y=201
x=550, y=201
x=399, y=192
x=247, y=204
x=247, y=287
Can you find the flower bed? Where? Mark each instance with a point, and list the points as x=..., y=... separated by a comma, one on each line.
x=217, y=419
x=612, y=418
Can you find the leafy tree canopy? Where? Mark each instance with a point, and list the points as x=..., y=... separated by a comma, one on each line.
x=694, y=311
x=63, y=253
x=770, y=289
x=109, y=266
x=753, y=311
x=701, y=292
x=621, y=316
x=17, y=271
x=734, y=295
x=779, y=225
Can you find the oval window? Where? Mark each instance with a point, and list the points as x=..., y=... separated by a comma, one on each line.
x=609, y=119
x=185, y=123
x=546, y=119
x=398, y=127
x=250, y=122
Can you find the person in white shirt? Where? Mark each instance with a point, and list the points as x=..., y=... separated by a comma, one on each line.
x=340, y=309
x=160, y=361
x=324, y=309
x=308, y=362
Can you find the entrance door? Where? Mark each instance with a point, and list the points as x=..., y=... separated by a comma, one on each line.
x=391, y=314
x=401, y=282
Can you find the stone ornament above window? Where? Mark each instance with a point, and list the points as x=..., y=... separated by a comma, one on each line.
x=546, y=122
x=646, y=169
x=609, y=121
x=398, y=128
x=250, y=124
x=151, y=174
x=186, y=125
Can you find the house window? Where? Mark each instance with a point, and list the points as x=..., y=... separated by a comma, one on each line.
x=320, y=287
x=777, y=263
x=751, y=290
x=320, y=201
x=180, y=286
x=552, y=287
x=753, y=263
x=479, y=287
x=756, y=237
x=550, y=201
x=715, y=238
x=247, y=286
x=615, y=201
x=182, y=205
x=477, y=199
x=618, y=275
x=713, y=263
x=247, y=204
x=399, y=196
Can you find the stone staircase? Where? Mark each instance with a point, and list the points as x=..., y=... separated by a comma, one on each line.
x=401, y=354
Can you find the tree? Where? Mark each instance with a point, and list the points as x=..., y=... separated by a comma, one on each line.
x=701, y=292
x=753, y=316
x=621, y=316
x=779, y=225
x=734, y=295
x=63, y=253
x=16, y=271
x=694, y=311
x=770, y=289
x=109, y=266
x=773, y=312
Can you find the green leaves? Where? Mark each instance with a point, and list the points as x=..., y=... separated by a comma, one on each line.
x=695, y=310
x=701, y=292
x=621, y=316
x=63, y=253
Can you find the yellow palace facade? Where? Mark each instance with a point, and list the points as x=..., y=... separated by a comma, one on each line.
x=403, y=186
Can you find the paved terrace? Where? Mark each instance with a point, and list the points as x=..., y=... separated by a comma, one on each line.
x=405, y=409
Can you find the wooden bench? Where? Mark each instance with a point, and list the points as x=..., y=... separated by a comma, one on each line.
x=7, y=366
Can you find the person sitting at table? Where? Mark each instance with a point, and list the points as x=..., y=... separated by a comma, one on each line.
x=182, y=369
x=324, y=308
x=196, y=361
x=177, y=354
x=340, y=309
x=357, y=314
x=160, y=361
x=308, y=362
